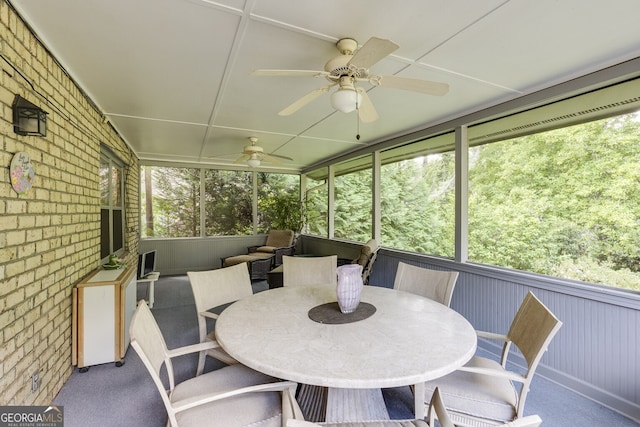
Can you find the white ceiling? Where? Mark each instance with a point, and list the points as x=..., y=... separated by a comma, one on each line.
x=172, y=76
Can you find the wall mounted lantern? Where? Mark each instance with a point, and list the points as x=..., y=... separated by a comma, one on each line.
x=28, y=119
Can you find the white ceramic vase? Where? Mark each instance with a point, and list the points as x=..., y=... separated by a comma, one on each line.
x=349, y=287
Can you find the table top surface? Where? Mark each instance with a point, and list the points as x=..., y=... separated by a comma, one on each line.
x=408, y=340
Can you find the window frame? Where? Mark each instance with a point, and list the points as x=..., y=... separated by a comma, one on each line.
x=113, y=162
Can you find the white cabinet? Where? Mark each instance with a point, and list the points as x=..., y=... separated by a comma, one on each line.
x=103, y=305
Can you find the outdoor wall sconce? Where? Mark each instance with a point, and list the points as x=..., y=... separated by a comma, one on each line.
x=28, y=119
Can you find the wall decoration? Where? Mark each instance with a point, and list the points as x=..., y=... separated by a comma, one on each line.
x=22, y=173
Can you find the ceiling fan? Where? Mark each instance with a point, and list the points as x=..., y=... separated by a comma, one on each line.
x=254, y=154
x=350, y=68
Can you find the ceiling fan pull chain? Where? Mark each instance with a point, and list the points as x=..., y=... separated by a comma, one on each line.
x=357, y=120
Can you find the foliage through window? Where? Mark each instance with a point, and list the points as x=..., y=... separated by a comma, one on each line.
x=173, y=204
x=316, y=206
x=170, y=202
x=418, y=198
x=353, y=209
x=279, y=204
x=562, y=203
x=228, y=208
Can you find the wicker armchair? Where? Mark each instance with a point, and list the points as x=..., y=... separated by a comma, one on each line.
x=262, y=259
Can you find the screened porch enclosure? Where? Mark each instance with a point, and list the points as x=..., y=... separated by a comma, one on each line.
x=535, y=195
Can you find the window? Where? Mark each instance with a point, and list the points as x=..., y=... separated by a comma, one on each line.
x=170, y=202
x=199, y=202
x=279, y=204
x=352, y=200
x=417, y=197
x=316, y=201
x=228, y=206
x=111, y=204
x=561, y=202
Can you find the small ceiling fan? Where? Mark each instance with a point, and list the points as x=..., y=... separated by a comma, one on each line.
x=254, y=154
x=350, y=68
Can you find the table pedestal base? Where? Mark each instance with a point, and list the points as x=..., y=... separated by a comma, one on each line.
x=322, y=404
x=312, y=400
x=351, y=404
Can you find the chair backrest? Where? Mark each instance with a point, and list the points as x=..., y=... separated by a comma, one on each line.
x=148, y=342
x=305, y=271
x=213, y=288
x=438, y=411
x=367, y=256
x=532, y=330
x=433, y=284
x=279, y=238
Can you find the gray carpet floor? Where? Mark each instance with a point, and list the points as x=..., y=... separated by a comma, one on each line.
x=108, y=396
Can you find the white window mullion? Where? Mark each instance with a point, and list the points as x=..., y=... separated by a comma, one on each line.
x=462, y=195
x=254, y=200
x=203, y=209
x=376, y=208
x=330, y=202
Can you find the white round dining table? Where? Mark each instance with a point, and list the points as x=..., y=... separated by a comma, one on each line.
x=408, y=340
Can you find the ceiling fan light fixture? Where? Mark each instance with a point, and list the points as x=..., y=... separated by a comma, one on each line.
x=345, y=99
x=254, y=161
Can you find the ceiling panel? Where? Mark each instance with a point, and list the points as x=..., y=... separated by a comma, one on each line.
x=529, y=45
x=173, y=75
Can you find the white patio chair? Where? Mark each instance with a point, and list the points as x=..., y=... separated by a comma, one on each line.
x=211, y=289
x=230, y=396
x=306, y=271
x=482, y=393
x=433, y=284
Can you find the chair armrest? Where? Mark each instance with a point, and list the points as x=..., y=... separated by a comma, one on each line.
x=193, y=348
x=284, y=386
x=253, y=248
x=494, y=373
x=286, y=250
x=492, y=336
x=279, y=252
x=208, y=314
x=151, y=277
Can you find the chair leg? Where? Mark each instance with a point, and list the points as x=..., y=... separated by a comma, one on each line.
x=202, y=356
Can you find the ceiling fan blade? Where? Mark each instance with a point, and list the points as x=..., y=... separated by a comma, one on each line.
x=242, y=158
x=366, y=111
x=290, y=73
x=305, y=100
x=372, y=51
x=414, y=85
x=271, y=158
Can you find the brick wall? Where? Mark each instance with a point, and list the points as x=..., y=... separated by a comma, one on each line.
x=50, y=237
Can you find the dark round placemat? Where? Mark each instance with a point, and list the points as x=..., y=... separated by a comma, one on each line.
x=330, y=313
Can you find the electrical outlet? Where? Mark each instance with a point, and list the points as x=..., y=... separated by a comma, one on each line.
x=35, y=381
